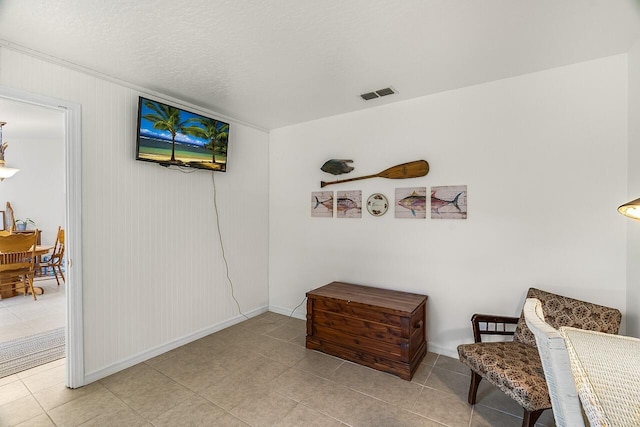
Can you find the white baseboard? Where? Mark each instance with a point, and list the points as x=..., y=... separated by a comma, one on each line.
x=287, y=312
x=156, y=351
x=444, y=351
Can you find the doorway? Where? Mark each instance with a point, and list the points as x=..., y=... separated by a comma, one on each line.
x=70, y=127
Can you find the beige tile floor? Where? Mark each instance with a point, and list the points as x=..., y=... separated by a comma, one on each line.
x=21, y=316
x=256, y=373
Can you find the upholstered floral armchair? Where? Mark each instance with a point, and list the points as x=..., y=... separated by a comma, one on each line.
x=514, y=366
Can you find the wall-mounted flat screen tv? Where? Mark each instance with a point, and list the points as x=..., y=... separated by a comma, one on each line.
x=172, y=136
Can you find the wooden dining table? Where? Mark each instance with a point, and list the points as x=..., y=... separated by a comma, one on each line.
x=42, y=250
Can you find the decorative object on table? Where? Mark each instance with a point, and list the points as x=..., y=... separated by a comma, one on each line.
x=414, y=169
x=411, y=202
x=377, y=204
x=2, y=224
x=5, y=172
x=11, y=220
x=322, y=204
x=349, y=204
x=337, y=166
x=449, y=202
x=21, y=224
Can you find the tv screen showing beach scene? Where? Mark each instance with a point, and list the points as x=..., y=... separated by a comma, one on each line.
x=173, y=136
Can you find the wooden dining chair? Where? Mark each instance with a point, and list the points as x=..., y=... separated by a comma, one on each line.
x=17, y=262
x=55, y=261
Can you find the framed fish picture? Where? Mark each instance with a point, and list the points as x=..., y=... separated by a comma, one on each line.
x=411, y=202
x=349, y=204
x=449, y=202
x=322, y=204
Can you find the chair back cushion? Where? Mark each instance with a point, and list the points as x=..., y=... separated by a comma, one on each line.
x=564, y=311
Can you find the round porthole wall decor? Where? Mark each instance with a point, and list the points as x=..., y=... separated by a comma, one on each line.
x=377, y=204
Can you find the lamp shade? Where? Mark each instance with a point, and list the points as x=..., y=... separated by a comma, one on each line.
x=7, y=172
x=631, y=209
x=4, y=171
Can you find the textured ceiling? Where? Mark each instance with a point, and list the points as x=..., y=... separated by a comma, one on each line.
x=273, y=63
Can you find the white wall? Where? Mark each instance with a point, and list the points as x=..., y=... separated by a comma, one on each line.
x=543, y=155
x=544, y=158
x=633, y=227
x=153, y=274
x=37, y=191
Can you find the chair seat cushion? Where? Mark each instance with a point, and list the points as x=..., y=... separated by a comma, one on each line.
x=513, y=367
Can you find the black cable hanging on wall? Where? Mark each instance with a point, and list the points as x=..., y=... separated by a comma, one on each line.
x=224, y=257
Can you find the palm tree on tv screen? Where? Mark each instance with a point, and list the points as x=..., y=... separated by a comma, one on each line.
x=166, y=118
x=214, y=131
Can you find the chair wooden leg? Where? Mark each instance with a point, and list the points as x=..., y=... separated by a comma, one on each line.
x=29, y=282
x=530, y=417
x=55, y=274
x=473, y=387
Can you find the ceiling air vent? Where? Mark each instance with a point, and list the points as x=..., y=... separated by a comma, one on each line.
x=378, y=93
x=384, y=92
x=368, y=96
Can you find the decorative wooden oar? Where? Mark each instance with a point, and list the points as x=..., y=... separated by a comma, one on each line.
x=406, y=170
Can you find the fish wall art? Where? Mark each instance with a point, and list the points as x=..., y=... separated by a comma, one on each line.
x=449, y=202
x=349, y=204
x=337, y=166
x=322, y=204
x=411, y=202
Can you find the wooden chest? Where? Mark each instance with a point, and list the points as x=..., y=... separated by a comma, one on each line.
x=379, y=328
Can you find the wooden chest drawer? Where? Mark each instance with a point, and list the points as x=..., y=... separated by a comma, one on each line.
x=356, y=310
x=379, y=328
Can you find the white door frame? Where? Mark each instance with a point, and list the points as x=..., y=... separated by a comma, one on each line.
x=74, y=350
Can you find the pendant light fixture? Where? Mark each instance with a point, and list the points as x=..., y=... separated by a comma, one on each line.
x=5, y=172
x=631, y=209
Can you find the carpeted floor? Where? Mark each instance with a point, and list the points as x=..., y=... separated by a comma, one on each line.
x=28, y=352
